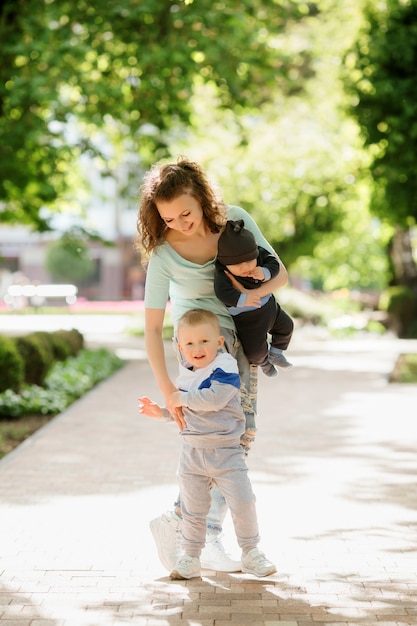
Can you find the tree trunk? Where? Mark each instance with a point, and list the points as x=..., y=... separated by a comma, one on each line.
x=401, y=255
x=402, y=308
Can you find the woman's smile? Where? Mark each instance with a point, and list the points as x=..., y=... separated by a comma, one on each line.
x=187, y=229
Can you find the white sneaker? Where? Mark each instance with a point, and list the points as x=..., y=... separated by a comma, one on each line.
x=214, y=557
x=186, y=567
x=255, y=562
x=167, y=535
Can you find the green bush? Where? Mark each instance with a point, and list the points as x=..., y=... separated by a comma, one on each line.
x=44, y=340
x=28, y=359
x=68, y=259
x=59, y=345
x=65, y=382
x=11, y=365
x=37, y=358
x=73, y=338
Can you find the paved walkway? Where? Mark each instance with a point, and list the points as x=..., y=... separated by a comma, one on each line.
x=334, y=468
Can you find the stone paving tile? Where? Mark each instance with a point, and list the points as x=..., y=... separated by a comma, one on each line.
x=334, y=469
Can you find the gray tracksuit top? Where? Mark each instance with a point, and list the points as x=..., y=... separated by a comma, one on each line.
x=210, y=398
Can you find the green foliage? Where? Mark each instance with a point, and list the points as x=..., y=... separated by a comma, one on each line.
x=405, y=370
x=68, y=259
x=59, y=345
x=44, y=340
x=298, y=191
x=250, y=89
x=375, y=327
x=73, y=68
x=11, y=365
x=36, y=356
x=382, y=78
x=73, y=339
x=32, y=400
x=65, y=382
x=354, y=258
x=89, y=367
x=28, y=359
x=297, y=164
x=316, y=308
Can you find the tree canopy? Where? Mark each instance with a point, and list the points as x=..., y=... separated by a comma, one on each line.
x=70, y=67
x=251, y=89
x=297, y=163
x=382, y=76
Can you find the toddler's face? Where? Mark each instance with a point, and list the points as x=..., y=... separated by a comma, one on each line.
x=199, y=343
x=242, y=269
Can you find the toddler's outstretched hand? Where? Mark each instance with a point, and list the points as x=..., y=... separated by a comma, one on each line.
x=149, y=408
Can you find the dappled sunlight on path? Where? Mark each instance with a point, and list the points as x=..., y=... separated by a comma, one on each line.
x=334, y=468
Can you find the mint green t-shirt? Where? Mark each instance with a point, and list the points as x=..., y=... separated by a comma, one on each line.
x=190, y=285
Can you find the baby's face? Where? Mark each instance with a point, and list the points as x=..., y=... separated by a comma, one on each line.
x=242, y=269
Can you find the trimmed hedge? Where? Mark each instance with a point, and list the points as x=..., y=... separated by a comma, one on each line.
x=37, y=358
x=66, y=381
x=59, y=346
x=73, y=338
x=12, y=365
x=27, y=359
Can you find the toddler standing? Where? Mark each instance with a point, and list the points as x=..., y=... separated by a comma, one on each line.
x=209, y=393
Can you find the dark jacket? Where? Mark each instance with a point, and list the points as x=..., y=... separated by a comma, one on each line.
x=223, y=287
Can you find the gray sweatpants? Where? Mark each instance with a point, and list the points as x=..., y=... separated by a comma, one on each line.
x=198, y=468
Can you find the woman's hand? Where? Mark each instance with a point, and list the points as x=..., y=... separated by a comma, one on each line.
x=266, y=288
x=174, y=407
x=252, y=299
x=154, y=321
x=252, y=296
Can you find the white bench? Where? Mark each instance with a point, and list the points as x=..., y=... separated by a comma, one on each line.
x=37, y=295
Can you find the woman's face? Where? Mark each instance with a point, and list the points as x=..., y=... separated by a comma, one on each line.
x=183, y=213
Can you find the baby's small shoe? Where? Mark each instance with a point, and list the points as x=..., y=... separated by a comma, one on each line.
x=269, y=370
x=278, y=359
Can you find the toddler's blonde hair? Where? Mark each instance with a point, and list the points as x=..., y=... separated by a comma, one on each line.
x=194, y=317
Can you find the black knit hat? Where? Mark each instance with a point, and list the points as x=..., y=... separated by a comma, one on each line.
x=236, y=244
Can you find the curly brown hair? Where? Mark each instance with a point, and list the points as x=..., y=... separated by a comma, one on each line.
x=167, y=182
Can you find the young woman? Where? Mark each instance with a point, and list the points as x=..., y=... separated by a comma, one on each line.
x=179, y=223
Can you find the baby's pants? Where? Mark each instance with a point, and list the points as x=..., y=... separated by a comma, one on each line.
x=197, y=469
x=253, y=328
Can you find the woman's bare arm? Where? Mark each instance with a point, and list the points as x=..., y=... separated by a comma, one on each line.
x=265, y=288
x=154, y=321
x=273, y=284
